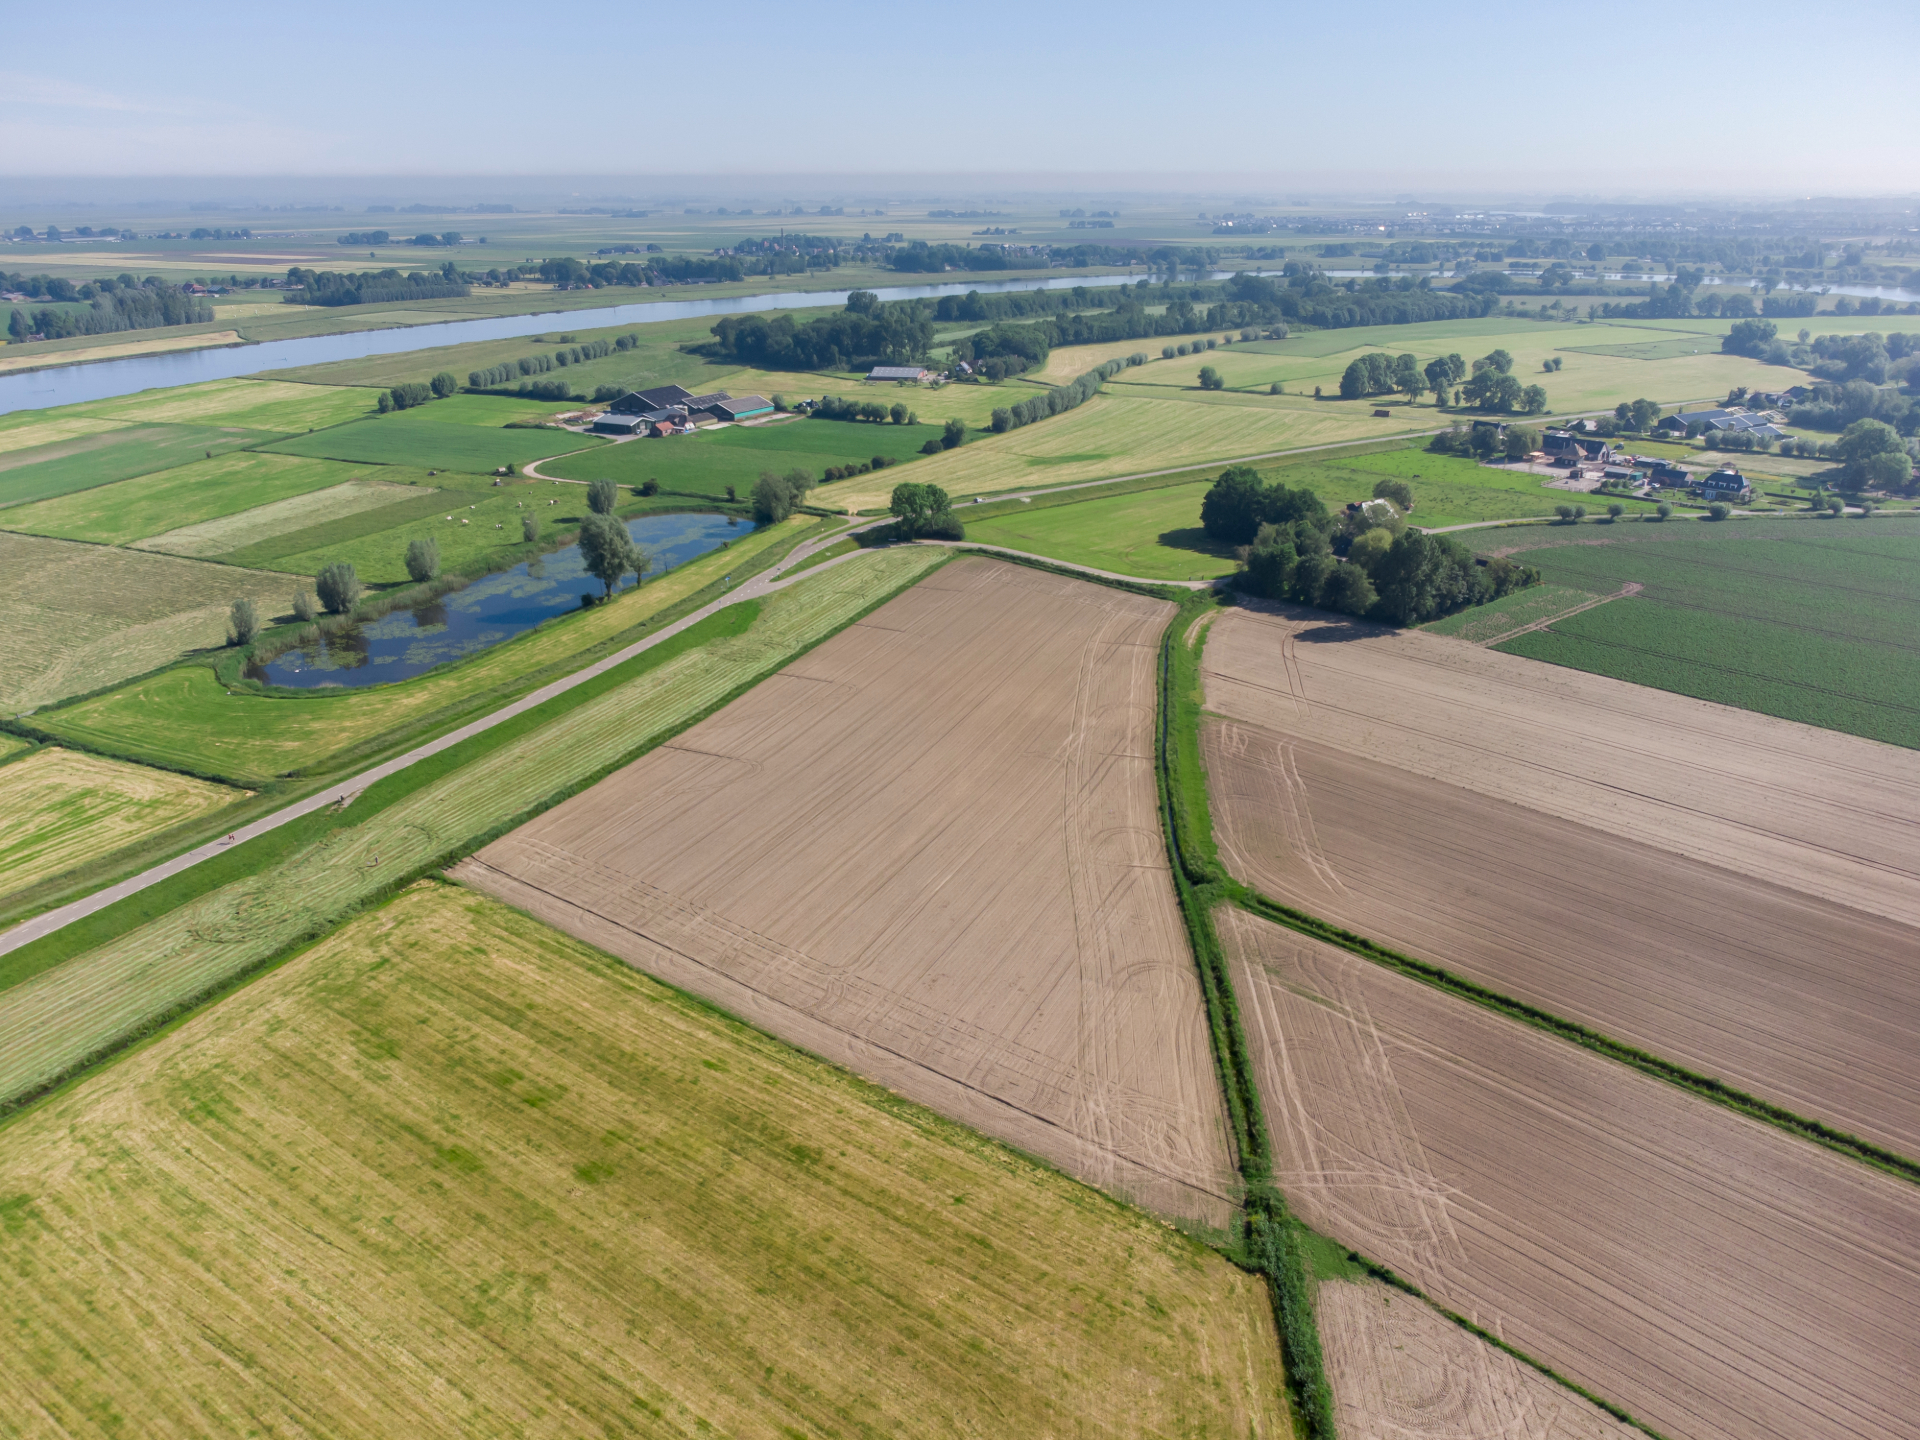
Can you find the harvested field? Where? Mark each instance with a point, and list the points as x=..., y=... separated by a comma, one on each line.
x=1828, y=815
x=79, y=617
x=1401, y=1369
x=55, y=1020
x=1713, y=1275
x=451, y=1173
x=59, y=809
x=1807, y=1003
x=277, y=405
x=928, y=850
x=267, y=522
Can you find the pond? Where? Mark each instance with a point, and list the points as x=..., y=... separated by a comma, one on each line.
x=404, y=643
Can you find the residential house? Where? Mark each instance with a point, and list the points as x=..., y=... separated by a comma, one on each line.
x=1726, y=483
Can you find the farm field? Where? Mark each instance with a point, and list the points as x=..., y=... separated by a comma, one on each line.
x=928, y=850
x=81, y=617
x=1711, y=1274
x=1808, y=1003
x=59, y=809
x=1809, y=620
x=1110, y=436
x=100, y=457
x=1826, y=815
x=52, y=1021
x=187, y=495
x=252, y=404
x=412, y=437
x=710, y=1232
x=267, y=522
x=708, y=462
x=184, y=717
x=1501, y=617
x=1400, y=1368
x=1151, y=533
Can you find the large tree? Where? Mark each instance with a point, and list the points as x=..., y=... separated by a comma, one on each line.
x=608, y=551
x=923, y=511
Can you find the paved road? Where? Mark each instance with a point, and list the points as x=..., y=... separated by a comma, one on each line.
x=765, y=583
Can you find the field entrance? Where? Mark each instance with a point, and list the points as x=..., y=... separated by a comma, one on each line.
x=930, y=850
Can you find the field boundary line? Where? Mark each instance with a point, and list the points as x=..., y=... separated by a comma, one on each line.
x=1717, y=1091
x=1632, y=587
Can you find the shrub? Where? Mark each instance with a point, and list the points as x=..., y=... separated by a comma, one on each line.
x=1719, y=510
x=1002, y=421
x=303, y=606
x=410, y=393
x=1835, y=505
x=1276, y=388
x=1167, y=352
x=730, y=493
x=1616, y=510
x=423, y=559
x=603, y=393
x=1565, y=512
x=1210, y=379
x=649, y=487
x=602, y=496
x=897, y=413
x=1139, y=357
x=243, y=622
x=932, y=447
x=1662, y=510
x=529, y=528
x=338, y=587
x=1579, y=512
x=384, y=403
x=954, y=435
x=443, y=385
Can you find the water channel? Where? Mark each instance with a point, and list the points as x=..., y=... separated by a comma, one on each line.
x=404, y=643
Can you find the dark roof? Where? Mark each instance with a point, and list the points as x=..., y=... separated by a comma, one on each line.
x=619, y=422
x=704, y=402
x=638, y=402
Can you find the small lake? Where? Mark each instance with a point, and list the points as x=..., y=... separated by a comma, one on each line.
x=404, y=643
x=108, y=379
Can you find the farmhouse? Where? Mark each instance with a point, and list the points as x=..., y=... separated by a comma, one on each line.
x=640, y=402
x=1561, y=448
x=1727, y=483
x=898, y=372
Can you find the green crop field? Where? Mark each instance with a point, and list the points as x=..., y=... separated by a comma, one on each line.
x=707, y=462
x=252, y=404
x=185, y=718
x=190, y=494
x=265, y=524
x=59, y=809
x=451, y=1143
x=52, y=1021
x=1810, y=620
x=1155, y=534
x=414, y=437
x=99, y=458
x=81, y=617
x=1509, y=613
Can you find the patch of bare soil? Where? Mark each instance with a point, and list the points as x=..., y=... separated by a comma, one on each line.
x=928, y=850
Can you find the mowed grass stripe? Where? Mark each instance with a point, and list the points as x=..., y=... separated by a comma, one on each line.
x=55, y=1022
x=709, y=1230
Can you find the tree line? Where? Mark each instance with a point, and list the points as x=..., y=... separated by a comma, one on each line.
x=1058, y=400
x=864, y=334
x=507, y=371
x=330, y=287
x=112, y=306
x=1366, y=561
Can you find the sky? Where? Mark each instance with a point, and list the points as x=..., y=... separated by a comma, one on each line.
x=1634, y=99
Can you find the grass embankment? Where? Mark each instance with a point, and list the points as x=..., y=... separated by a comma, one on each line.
x=710, y=1230
x=63, y=1018
x=185, y=719
x=1810, y=620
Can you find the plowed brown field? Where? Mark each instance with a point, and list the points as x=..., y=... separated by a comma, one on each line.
x=1403, y=1371
x=928, y=850
x=1810, y=1004
x=1826, y=814
x=1714, y=1275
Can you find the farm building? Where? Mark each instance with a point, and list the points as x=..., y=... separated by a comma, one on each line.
x=898, y=372
x=611, y=424
x=639, y=402
x=1703, y=421
x=1562, y=448
x=744, y=408
x=1726, y=484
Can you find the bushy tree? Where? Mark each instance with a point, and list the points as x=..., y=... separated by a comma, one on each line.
x=338, y=587
x=1890, y=470
x=608, y=550
x=1859, y=445
x=1407, y=378
x=1210, y=379
x=423, y=559
x=443, y=385
x=923, y=512
x=898, y=413
x=243, y=622
x=954, y=435
x=602, y=496
x=1521, y=441
x=1662, y=510
x=303, y=606
x=772, y=498
x=1398, y=491
x=1719, y=510
x=1615, y=510
x=648, y=488
x=1239, y=503
x=1348, y=589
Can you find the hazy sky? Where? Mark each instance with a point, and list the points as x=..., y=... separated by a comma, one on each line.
x=1632, y=98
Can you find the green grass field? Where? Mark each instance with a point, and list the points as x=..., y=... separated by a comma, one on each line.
x=102, y=457
x=708, y=462
x=79, y=617
x=52, y=1021
x=1809, y=620
x=415, y=438
x=710, y=1232
x=59, y=809
x=252, y=404
x=191, y=494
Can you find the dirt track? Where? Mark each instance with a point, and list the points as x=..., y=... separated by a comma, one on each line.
x=1810, y=1004
x=1715, y=1276
x=928, y=850
x=1403, y=1371
x=1828, y=814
